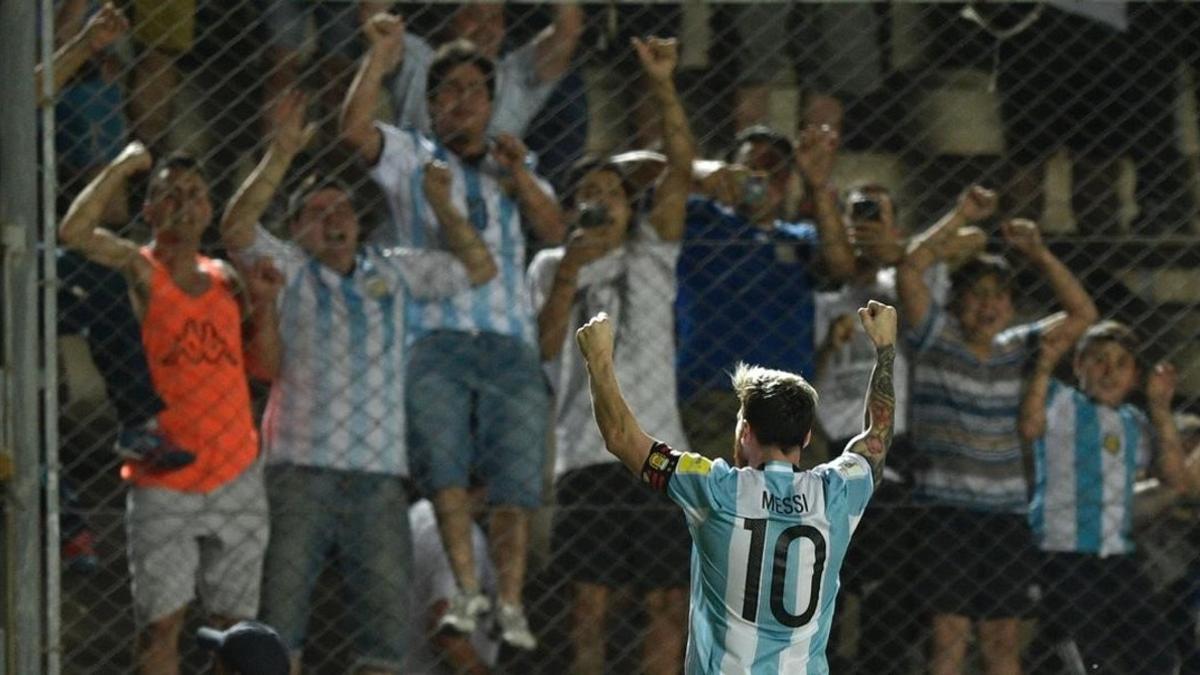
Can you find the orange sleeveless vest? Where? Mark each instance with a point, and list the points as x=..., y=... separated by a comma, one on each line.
x=194, y=348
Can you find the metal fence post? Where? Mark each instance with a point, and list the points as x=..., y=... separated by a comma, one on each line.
x=19, y=218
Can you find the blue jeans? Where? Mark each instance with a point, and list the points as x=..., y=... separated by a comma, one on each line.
x=477, y=403
x=365, y=517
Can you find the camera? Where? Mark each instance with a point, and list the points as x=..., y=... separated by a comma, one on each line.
x=863, y=208
x=592, y=214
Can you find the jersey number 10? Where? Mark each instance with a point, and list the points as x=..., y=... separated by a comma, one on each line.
x=754, y=564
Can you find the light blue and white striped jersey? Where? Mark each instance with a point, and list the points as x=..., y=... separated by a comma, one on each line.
x=1085, y=468
x=338, y=401
x=499, y=306
x=767, y=547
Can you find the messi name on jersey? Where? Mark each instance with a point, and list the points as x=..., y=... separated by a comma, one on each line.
x=785, y=506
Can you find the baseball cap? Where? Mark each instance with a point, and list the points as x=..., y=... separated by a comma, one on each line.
x=248, y=647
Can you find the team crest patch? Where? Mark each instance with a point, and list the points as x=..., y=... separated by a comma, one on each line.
x=376, y=286
x=850, y=468
x=658, y=461
x=1112, y=443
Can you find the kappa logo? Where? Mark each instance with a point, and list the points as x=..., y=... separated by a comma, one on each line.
x=200, y=342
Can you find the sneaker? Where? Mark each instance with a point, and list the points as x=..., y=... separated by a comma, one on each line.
x=462, y=616
x=514, y=628
x=79, y=553
x=147, y=445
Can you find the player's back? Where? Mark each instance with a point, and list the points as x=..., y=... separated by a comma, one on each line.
x=768, y=545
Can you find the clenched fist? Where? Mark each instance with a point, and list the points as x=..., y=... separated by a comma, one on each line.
x=595, y=339
x=977, y=203
x=879, y=320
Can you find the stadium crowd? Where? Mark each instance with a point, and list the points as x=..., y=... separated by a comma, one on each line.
x=406, y=290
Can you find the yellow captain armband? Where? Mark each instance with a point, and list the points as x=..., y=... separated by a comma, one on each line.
x=693, y=463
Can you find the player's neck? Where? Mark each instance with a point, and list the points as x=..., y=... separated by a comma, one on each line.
x=778, y=455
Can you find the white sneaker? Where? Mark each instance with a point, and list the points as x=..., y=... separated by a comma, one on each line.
x=514, y=628
x=462, y=616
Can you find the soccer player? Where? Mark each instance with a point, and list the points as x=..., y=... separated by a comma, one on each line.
x=767, y=538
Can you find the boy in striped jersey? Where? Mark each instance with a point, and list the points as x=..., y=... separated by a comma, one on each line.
x=767, y=538
x=1089, y=444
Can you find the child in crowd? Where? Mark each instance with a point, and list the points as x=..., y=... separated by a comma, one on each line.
x=1089, y=445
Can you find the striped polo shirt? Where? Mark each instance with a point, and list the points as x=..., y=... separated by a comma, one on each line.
x=338, y=401
x=767, y=547
x=1085, y=468
x=500, y=306
x=963, y=415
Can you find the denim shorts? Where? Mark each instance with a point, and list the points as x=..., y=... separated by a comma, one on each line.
x=478, y=403
x=364, y=516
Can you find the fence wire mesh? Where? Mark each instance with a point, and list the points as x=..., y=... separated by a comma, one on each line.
x=261, y=443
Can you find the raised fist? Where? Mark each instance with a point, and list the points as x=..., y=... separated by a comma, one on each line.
x=595, y=339
x=437, y=182
x=977, y=203
x=385, y=35
x=1023, y=235
x=879, y=320
x=658, y=56
x=134, y=158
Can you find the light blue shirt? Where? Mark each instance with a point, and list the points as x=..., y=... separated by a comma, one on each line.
x=500, y=306
x=767, y=546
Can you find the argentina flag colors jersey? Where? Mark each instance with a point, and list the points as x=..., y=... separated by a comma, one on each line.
x=767, y=547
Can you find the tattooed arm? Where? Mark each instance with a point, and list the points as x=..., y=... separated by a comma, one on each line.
x=879, y=320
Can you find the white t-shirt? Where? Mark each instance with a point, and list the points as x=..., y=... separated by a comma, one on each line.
x=636, y=286
x=842, y=384
x=433, y=581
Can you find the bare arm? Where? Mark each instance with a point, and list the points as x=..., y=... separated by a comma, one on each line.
x=659, y=58
x=1170, y=467
x=556, y=44
x=584, y=246
x=255, y=194
x=933, y=245
x=623, y=436
x=79, y=229
x=538, y=206
x=105, y=27
x=816, y=154
x=385, y=35
x=1078, y=310
x=460, y=236
x=879, y=320
x=258, y=290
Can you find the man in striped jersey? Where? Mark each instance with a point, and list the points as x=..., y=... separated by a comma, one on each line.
x=334, y=428
x=1089, y=445
x=767, y=538
x=477, y=398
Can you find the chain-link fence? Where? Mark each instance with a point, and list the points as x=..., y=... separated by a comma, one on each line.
x=400, y=324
